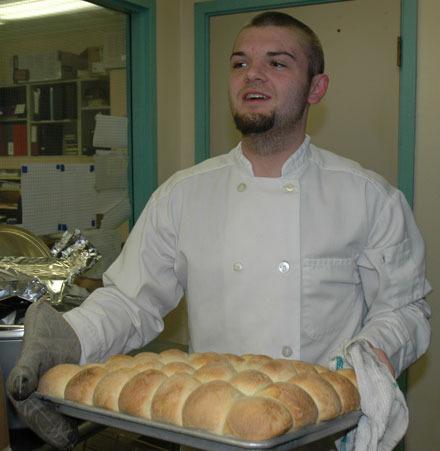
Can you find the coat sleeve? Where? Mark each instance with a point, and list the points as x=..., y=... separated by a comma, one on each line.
x=140, y=288
x=392, y=269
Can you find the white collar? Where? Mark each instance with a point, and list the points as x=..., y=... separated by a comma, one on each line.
x=291, y=165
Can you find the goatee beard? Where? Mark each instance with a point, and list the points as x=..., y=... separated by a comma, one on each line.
x=254, y=124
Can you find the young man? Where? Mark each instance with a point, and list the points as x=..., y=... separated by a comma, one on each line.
x=281, y=248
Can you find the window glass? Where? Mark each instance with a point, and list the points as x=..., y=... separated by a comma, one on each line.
x=63, y=119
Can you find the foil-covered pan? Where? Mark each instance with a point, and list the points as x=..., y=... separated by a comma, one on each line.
x=200, y=439
x=32, y=276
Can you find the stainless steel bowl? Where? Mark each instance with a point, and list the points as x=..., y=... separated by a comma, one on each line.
x=18, y=242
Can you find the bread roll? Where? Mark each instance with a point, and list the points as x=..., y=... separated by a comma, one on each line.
x=254, y=361
x=177, y=367
x=251, y=397
x=173, y=355
x=54, y=381
x=207, y=406
x=108, y=389
x=279, y=370
x=197, y=360
x=119, y=361
x=137, y=393
x=235, y=360
x=323, y=394
x=143, y=365
x=257, y=418
x=298, y=402
x=147, y=357
x=222, y=371
x=303, y=367
x=169, y=398
x=348, y=395
x=250, y=381
x=81, y=386
x=350, y=375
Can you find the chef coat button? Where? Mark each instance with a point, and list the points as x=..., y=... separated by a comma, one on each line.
x=289, y=188
x=283, y=267
x=287, y=351
x=241, y=187
x=237, y=266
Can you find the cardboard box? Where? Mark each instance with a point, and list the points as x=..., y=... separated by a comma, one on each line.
x=93, y=56
x=20, y=75
x=56, y=65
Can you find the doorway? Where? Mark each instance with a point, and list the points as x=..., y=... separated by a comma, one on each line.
x=400, y=161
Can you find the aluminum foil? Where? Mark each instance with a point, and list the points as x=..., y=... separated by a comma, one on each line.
x=31, y=278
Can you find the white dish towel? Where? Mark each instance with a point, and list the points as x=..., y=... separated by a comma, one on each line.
x=385, y=414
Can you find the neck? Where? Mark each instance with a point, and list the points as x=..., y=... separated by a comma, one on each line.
x=267, y=152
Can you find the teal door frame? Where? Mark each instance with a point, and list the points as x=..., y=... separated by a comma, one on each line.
x=141, y=97
x=204, y=11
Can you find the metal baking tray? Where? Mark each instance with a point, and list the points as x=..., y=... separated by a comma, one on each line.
x=200, y=439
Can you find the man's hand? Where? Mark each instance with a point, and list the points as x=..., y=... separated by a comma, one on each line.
x=48, y=341
x=384, y=359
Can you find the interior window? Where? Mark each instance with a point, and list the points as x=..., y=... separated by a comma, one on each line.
x=63, y=119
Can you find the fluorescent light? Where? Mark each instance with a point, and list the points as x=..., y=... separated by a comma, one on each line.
x=37, y=8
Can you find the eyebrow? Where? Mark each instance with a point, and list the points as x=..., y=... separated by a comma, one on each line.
x=271, y=54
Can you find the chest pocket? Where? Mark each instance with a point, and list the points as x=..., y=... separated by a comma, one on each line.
x=330, y=289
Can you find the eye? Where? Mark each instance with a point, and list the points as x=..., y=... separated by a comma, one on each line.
x=238, y=64
x=278, y=64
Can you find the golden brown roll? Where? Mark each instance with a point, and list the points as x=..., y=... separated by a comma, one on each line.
x=177, y=367
x=119, y=361
x=279, y=370
x=257, y=418
x=298, y=402
x=254, y=361
x=207, y=406
x=303, y=367
x=222, y=371
x=197, y=360
x=235, y=360
x=350, y=375
x=320, y=368
x=168, y=401
x=54, y=381
x=323, y=394
x=108, y=389
x=146, y=357
x=348, y=395
x=250, y=381
x=137, y=393
x=143, y=365
x=173, y=355
x=81, y=386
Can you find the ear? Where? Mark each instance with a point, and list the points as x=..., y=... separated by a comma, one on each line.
x=318, y=88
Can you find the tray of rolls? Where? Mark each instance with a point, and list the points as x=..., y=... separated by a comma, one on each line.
x=208, y=400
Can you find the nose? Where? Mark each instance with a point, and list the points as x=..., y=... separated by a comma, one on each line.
x=255, y=72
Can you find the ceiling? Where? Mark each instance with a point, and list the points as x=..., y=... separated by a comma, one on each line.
x=81, y=20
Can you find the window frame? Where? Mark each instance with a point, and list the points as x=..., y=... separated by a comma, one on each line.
x=141, y=97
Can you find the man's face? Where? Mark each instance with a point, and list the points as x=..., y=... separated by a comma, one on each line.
x=269, y=83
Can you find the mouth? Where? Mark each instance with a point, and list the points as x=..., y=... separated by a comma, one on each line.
x=255, y=97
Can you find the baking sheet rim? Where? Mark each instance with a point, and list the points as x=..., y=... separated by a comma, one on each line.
x=193, y=436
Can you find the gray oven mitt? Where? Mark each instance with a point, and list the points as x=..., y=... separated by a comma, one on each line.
x=48, y=341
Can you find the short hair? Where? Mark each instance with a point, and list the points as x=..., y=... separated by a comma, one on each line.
x=313, y=47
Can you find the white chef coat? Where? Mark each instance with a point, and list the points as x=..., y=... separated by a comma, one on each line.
x=291, y=267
